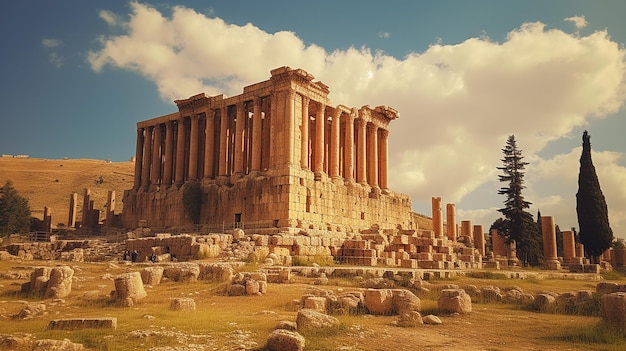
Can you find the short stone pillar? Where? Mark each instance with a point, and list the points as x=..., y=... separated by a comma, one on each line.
x=129, y=288
x=466, y=228
x=569, y=245
x=437, y=220
x=498, y=244
x=479, y=239
x=580, y=250
x=451, y=221
x=110, y=211
x=47, y=219
x=549, y=242
x=613, y=308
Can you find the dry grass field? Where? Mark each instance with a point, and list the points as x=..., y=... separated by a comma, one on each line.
x=243, y=323
x=46, y=182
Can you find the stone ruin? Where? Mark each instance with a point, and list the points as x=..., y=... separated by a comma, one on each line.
x=49, y=282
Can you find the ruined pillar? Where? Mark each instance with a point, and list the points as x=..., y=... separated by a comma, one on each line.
x=223, y=155
x=437, y=220
x=147, y=159
x=169, y=153
x=239, y=130
x=320, y=119
x=333, y=170
x=192, y=172
x=361, y=170
x=372, y=157
x=179, y=174
x=383, y=160
x=466, y=228
x=109, y=219
x=209, y=144
x=569, y=245
x=498, y=244
x=479, y=239
x=155, y=172
x=304, y=144
x=451, y=222
x=256, y=134
x=85, y=214
x=349, y=147
x=71, y=221
x=138, y=158
x=549, y=242
x=580, y=250
x=47, y=219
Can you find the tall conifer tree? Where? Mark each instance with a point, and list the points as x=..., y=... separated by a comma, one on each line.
x=593, y=217
x=518, y=224
x=14, y=211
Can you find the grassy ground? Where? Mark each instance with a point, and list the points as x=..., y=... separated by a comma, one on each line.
x=230, y=323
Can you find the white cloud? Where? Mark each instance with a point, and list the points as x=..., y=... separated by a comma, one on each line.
x=384, y=35
x=579, y=21
x=50, y=43
x=458, y=103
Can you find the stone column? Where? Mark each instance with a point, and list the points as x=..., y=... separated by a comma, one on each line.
x=179, y=174
x=451, y=222
x=320, y=119
x=169, y=153
x=71, y=221
x=85, y=214
x=497, y=243
x=466, y=228
x=138, y=158
x=256, y=134
x=304, y=133
x=361, y=171
x=223, y=156
x=110, y=213
x=569, y=245
x=333, y=170
x=349, y=147
x=193, y=148
x=479, y=239
x=580, y=250
x=209, y=144
x=47, y=219
x=372, y=160
x=383, y=143
x=437, y=220
x=290, y=125
x=155, y=172
x=239, y=130
x=147, y=150
x=549, y=242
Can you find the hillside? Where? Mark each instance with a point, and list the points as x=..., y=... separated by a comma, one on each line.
x=49, y=183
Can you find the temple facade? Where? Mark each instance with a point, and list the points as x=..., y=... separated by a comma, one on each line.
x=279, y=157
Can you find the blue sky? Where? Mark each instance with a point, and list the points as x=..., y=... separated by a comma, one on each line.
x=77, y=76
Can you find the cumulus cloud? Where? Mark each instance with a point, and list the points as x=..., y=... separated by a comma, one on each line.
x=579, y=21
x=458, y=103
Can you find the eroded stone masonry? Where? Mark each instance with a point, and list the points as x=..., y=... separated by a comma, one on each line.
x=279, y=158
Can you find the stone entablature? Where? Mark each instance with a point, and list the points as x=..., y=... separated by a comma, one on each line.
x=277, y=156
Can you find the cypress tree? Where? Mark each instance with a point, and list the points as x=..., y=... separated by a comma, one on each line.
x=593, y=218
x=519, y=225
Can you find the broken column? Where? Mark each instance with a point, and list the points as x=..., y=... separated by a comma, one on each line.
x=110, y=211
x=451, y=222
x=498, y=244
x=437, y=220
x=86, y=200
x=71, y=221
x=569, y=246
x=47, y=220
x=549, y=242
x=479, y=239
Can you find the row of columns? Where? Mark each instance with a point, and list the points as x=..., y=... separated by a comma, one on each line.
x=357, y=149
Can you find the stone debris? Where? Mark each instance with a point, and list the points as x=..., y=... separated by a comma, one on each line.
x=182, y=304
x=287, y=325
x=390, y=301
x=311, y=320
x=246, y=283
x=128, y=289
x=30, y=311
x=454, y=301
x=285, y=340
x=432, y=320
x=181, y=272
x=83, y=323
x=56, y=345
x=17, y=341
x=49, y=282
x=613, y=307
x=152, y=275
x=410, y=319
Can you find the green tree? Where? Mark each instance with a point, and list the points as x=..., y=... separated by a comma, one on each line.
x=518, y=225
x=192, y=201
x=593, y=217
x=14, y=211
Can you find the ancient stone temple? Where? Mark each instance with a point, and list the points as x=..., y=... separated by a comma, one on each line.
x=278, y=157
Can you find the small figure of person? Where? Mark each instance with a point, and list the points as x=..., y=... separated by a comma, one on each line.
x=133, y=256
x=153, y=258
x=125, y=255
